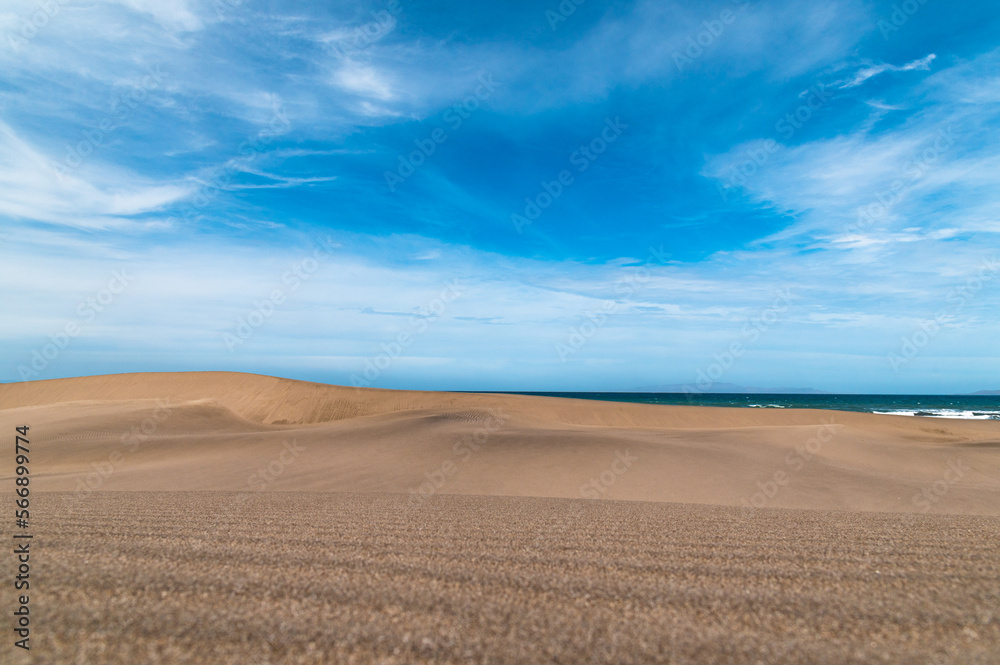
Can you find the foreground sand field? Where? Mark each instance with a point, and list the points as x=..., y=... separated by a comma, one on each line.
x=232, y=518
x=244, y=578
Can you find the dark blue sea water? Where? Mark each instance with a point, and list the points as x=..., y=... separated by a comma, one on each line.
x=980, y=407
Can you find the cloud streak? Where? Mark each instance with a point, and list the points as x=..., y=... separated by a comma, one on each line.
x=874, y=70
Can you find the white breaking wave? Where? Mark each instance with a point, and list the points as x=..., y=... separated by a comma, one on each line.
x=944, y=413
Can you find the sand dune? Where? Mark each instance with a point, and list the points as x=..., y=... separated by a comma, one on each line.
x=231, y=518
x=228, y=431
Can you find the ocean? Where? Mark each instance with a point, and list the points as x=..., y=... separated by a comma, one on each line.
x=976, y=407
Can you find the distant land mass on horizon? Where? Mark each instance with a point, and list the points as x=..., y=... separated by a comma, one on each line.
x=751, y=390
x=726, y=388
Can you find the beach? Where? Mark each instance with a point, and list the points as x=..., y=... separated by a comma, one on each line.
x=220, y=517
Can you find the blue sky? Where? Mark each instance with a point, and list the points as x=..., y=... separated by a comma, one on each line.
x=519, y=196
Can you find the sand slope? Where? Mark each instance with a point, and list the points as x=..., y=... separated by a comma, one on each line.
x=373, y=526
x=229, y=431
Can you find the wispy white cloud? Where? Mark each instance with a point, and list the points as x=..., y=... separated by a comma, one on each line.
x=278, y=181
x=174, y=15
x=364, y=81
x=872, y=71
x=184, y=299
x=33, y=188
x=938, y=170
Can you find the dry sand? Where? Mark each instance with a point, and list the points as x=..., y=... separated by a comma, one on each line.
x=286, y=577
x=227, y=431
x=221, y=517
